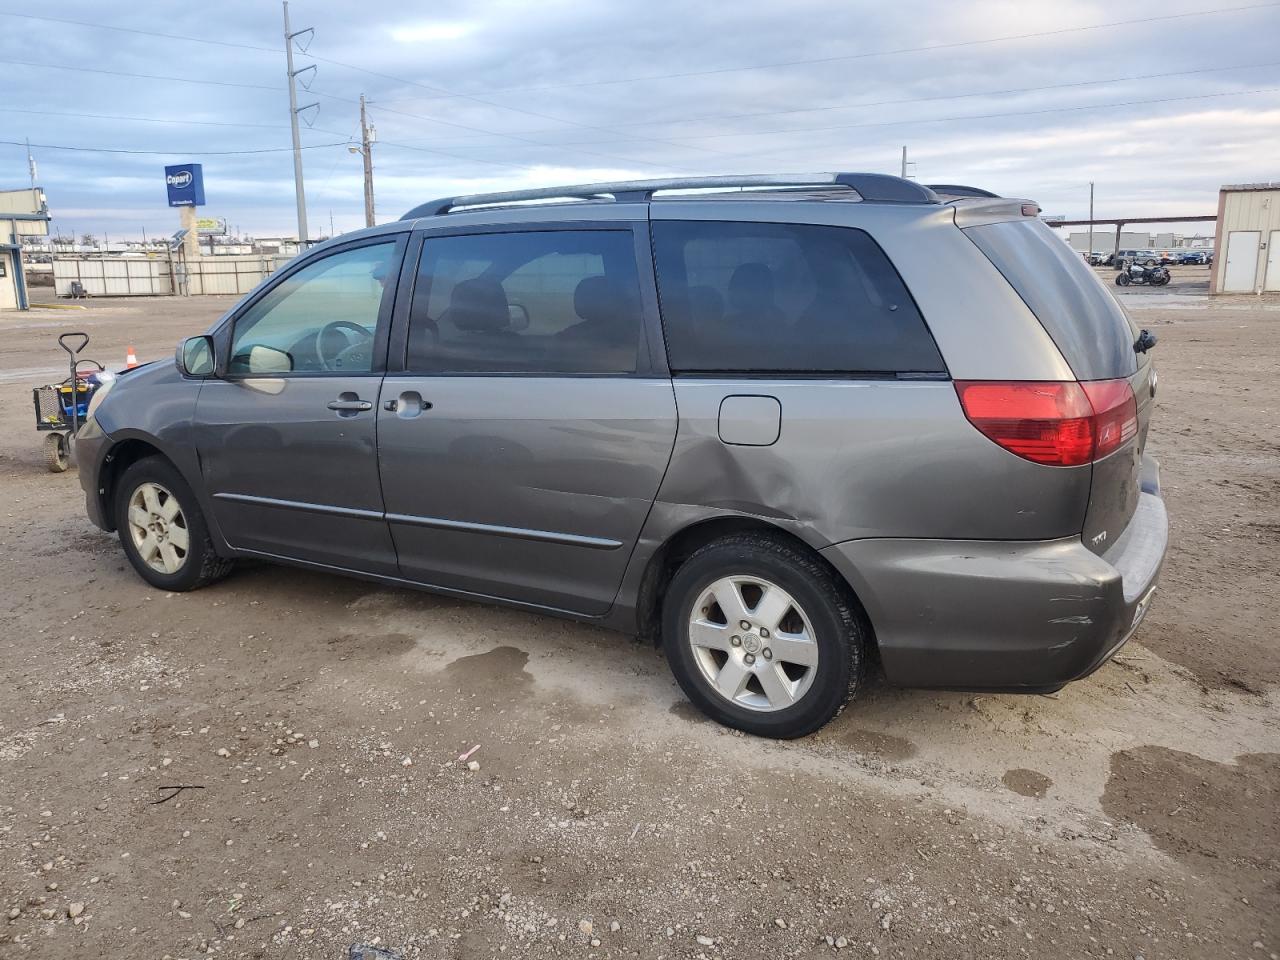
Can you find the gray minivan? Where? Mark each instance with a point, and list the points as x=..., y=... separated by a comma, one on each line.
x=782, y=425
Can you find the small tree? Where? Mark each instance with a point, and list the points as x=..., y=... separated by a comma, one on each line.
x=88, y=239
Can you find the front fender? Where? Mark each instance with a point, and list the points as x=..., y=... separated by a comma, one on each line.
x=150, y=411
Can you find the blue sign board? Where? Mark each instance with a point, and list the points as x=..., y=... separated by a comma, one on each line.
x=185, y=183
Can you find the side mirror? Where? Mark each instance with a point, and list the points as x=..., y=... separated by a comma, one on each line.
x=195, y=356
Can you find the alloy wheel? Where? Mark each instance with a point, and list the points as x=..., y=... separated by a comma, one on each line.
x=753, y=643
x=158, y=528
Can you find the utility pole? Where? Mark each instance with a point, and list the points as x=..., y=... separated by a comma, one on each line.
x=31, y=169
x=1091, y=219
x=906, y=164
x=367, y=136
x=293, y=123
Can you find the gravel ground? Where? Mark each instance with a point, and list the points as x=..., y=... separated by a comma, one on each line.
x=321, y=722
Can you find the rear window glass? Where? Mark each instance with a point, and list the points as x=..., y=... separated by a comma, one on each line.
x=785, y=298
x=1077, y=311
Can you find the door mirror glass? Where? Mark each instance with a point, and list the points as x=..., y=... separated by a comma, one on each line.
x=195, y=356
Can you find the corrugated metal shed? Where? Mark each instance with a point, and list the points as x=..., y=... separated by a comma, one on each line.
x=1247, y=240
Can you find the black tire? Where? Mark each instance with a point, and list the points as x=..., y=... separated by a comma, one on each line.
x=827, y=602
x=1149, y=262
x=201, y=565
x=1123, y=279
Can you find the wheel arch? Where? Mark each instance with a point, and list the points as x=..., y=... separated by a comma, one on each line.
x=120, y=457
x=666, y=559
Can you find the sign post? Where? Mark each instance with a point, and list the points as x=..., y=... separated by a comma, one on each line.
x=184, y=183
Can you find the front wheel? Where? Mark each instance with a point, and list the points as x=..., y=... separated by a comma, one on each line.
x=762, y=636
x=1123, y=279
x=163, y=530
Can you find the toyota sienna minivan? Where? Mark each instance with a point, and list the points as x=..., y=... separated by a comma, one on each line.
x=780, y=425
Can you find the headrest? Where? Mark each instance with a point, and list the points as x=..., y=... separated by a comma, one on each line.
x=599, y=300
x=478, y=305
x=705, y=304
x=751, y=283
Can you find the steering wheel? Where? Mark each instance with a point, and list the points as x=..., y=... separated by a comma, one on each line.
x=344, y=344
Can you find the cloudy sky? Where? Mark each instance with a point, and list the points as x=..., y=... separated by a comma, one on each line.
x=1158, y=103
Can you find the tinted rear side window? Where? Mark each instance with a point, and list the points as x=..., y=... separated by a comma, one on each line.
x=1077, y=311
x=785, y=298
x=559, y=301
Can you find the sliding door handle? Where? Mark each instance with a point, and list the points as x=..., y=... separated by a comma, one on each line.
x=407, y=405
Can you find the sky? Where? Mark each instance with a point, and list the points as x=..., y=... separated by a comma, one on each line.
x=1159, y=105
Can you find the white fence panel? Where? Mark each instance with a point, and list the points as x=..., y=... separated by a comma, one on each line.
x=149, y=277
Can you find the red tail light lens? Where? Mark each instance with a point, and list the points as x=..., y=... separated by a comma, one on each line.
x=1115, y=414
x=1057, y=423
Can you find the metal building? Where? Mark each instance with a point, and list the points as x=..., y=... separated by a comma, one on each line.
x=22, y=213
x=1248, y=239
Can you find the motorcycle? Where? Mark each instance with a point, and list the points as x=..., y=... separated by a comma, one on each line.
x=1156, y=276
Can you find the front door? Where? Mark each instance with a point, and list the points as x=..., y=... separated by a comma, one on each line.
x=286, y=433
x=524, y=442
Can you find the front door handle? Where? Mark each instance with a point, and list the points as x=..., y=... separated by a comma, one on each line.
x=349, y=404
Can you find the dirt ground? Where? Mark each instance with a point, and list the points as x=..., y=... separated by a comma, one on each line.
x=1134, y=814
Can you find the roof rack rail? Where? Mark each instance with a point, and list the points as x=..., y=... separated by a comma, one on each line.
x=959, y=190
x=871, y=187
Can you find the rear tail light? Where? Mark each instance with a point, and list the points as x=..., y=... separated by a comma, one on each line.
x=1060, y=423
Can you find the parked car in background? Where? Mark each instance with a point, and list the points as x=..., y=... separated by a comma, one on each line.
x=1144, y=258
x=1189, y=257
x=778, y=431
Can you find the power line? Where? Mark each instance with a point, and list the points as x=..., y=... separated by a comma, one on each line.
x=143, y=33
x=349, y=66
x=165, y=120
x=173, y=153
x=510, y=136
x=141, y=76
x=950, y=96
x=896, y=102
x=455, y=156
x=443, y=93
x=875, y=53
x=990, y=116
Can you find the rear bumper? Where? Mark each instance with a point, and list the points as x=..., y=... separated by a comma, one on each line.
x=1005, y=615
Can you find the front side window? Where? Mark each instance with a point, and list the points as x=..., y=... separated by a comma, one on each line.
x=320, y=319
x=554, y=301
x=785, y=298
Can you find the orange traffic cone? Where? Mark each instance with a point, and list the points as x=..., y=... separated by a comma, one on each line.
x=131, y=358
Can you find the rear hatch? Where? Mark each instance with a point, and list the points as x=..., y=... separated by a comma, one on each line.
x=1095, y=337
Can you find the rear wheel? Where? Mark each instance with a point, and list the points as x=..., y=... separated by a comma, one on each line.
x=163, y=530
x=762, y=636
